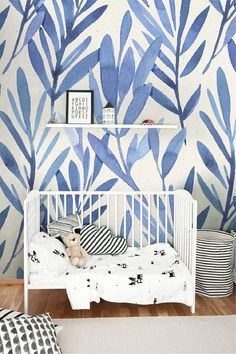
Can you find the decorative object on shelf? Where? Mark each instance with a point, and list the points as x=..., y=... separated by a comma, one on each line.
x=148, y=122
x=54, y=121
x=79, y=106
x=108, y=114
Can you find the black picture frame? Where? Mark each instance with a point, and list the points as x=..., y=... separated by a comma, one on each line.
x=79, y=106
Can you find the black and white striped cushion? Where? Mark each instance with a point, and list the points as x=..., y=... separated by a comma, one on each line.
x=101, y=241
x=7, y=313
x=214, y=275
x=63, y=226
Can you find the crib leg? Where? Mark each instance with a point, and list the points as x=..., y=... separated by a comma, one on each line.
x=192, y=308
x=26, y=299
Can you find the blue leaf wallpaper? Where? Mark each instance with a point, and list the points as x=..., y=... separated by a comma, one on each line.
x=171, y=61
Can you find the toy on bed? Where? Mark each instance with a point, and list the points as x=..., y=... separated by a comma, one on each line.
x=75, y=252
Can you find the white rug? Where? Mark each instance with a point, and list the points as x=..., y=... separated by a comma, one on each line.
x=150, y=335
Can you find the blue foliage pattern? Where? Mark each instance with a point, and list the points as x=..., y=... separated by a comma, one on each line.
x=161, y=61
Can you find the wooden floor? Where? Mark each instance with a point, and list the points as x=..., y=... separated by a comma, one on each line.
x=56, y=302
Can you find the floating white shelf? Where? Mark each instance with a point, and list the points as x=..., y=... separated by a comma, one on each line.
x=112, y=126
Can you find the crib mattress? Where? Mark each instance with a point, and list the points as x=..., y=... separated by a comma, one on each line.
x=149, y=275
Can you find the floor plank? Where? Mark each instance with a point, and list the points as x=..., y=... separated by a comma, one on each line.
x=56, y=302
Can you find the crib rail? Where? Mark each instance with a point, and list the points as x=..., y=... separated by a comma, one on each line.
x=141, y=217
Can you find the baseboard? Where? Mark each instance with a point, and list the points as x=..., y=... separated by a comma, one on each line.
x=11, y=281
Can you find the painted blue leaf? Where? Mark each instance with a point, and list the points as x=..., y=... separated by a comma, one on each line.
x=54, y=167
x=10, y=196
x=39, y=113
x=61, y=182
x=59, y=18
x=15, y=135
x=108, y=185
x=163, y=100
x=194, y=60
x=154, y=143
x=143, y=147
x=94, y=216
x=209, y=195
x=231, y=30
x=86, y=22
x=150, y=23
x=74, y=176
x=202, y=217
x=19, y=273
x=34, y=27
x=171, y=154
x=106, y=155
x=3, y=217
x=195, y=30
x=24, y=97
x=232, y=53
x=192, y=103
x=15, y=110
x=163, y=15
x=210, y=162
x=217, y=5
x=126, y=76
x=2, y=247
x=108, y=70
x=124, y=32
x=184, y=11
x=123, y=232
x=207, y=121
x=97, y=162
x=38, y=65
x=89, y=3
x=215, y=110
x=131, y=152
x=137, y=104
x=163, y=77
x=68, y=7
x=190, y=181
x=49, y=149
x=17, y=5
x=166, y=61
x=49, y=26
x=97, y=98
x=86, y=165
x=232, y=225
x=42, y=139
x=3, y=16
x=78, y=72
x=173, y=12
x=2, y=47
x=75, y=54
x=46, y=49
x=146, y=64
x=224, y=97
x=145, y=2
x=10, y=162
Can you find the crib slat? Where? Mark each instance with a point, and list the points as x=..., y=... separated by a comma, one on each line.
x=132, y=217
x=116, y=215
x=82, y=209
x=99, y=210
x=157, y=219
x=64, y=205
x=108, y=211
x=73, y=204
x=48, y=209
x=56, y=206
x=166, y=213
x=124, y=202
x=141, y=221
x=149, y=219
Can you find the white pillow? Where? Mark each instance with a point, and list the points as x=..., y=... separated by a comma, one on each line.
x=47, y=255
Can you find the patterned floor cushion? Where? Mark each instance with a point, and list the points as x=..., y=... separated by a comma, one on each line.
x=31, y=335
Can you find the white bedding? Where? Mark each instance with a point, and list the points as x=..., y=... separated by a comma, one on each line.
x=152, y=274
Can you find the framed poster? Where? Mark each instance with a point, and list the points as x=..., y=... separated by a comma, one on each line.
x=79, y=106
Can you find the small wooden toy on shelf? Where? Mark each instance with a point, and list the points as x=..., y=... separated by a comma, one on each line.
x=148, y=122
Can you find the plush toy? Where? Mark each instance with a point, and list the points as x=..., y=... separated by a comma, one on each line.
x=74, y=251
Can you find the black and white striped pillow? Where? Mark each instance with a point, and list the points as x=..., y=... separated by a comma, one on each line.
x=64, y=226
x=101, y=241
x=28, y=335
x=6, y=314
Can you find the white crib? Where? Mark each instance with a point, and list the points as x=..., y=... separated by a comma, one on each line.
x=143, y=218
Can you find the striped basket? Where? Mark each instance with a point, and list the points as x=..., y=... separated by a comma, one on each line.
x=214, y=275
